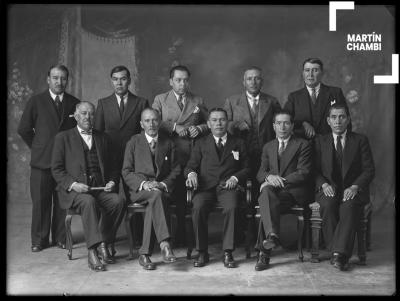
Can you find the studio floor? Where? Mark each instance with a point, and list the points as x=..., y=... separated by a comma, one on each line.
x=49, y=272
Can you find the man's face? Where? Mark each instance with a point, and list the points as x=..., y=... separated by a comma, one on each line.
x=120, y=82
x=179, y=82
x=283, y=127
x=150, y=123
x=218, y=123
x=84, y=116
x=57, y=81
x=338, y=121
x=312, y=74
x=252, y=81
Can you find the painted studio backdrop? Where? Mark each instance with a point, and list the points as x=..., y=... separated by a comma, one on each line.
x=216, y=43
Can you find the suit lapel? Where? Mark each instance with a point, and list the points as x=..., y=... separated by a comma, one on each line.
x=323, y=98
x=287, y=155
x=327, y=150
x=99, y=148
x=243, y=104
x=50, y=106
x=188, y=108
x=213, y=148
x=263, y=106
x=349, y=152
x=144, y=150
x=130, y=107
x=227, y=148
x=173, y=104
x=273, y=153
x=78, y=147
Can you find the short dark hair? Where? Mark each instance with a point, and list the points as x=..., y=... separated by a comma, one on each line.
x=179, y=68
x=283, y=112
x=339, y=106
x=314, y=60
x=151, y=110
x=60, y=67
x=119, y=69
x=217, y=109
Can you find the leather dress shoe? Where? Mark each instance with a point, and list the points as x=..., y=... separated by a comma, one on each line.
x=94, y=261
x=168, y=254
x=36, y=248
x=201, y=260
x=60, y=245
x=271, y=242
x=339, y=261
x=262, y=262
x=145, y=262
x=104, y=255
x=228, y=260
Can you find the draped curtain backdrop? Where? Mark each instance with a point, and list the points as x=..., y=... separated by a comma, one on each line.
x=217, y=43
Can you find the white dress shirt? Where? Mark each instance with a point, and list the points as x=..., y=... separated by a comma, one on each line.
x=343, y=139
x=124, y=97
x=317, y=88
x=253, y=100
x=87, y=138
x=53, y=96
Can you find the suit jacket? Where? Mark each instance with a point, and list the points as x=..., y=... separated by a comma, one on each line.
x=68, y=162
x=295, y=166
x=357, y=165
x=211, y=170
x=40, y=123
x=299, y=104
x=108, y=120
x=138, y=164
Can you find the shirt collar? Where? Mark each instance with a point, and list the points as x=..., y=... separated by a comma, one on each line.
x=53, y=96
x=149, y=138
x=80, y=129
x=124, y=97
x=316, y=89
x=177, y=96
x=249, y=96
x=224, y=138
x=285, y=141
x=343, y=136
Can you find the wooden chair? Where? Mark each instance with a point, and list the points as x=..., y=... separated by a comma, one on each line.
x=68, y=237
x=363, y=232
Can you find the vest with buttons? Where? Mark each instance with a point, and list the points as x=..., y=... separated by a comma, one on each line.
x=253, y=137
x=93, y=171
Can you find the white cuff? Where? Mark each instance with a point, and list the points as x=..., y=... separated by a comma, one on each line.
x=165, y=186
x=141, y=186
x=192, y=173
x=70, y=187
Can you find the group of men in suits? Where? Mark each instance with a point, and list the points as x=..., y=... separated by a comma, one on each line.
x=288, y=154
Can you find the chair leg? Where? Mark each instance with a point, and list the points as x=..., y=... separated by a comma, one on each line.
x=129, y=233
x=68, y=235
x=300, y=229
x=112, y=250
x=250, y=230
x=368, y=233
x=316, y=223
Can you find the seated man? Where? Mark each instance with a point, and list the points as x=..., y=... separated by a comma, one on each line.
x=150, y=168
x=80, y=162
x=284, y=174
x=218, y=163
x=344, y=170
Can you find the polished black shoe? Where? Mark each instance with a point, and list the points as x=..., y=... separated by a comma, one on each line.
x=60, y=245
x=271, y=242
x=228, y=260
x=168, y=254
x=262, y=262
x=145, y=262
x=104, y=255
x=36, y=248
x=340, y=261
x=94, y=261
x=201, y=260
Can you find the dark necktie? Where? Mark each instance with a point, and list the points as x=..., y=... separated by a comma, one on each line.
x=180, y=102
x=339, y=148
x=281, y=148
x=58, y=106
x=153, y=146
x=220, y=147
x=121, y=106
x=313, y=96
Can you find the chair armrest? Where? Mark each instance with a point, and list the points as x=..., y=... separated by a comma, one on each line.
x=189, y=195
x=248, y=192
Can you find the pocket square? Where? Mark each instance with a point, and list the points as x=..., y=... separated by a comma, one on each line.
x=333, y=102
x=72, y=115
x=166, y=158
x=235, y=155
x=196, y=110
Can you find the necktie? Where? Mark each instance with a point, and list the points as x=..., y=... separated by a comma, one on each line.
x=58, y=106
x=313, y=96
x=281, y=148
x=121, y=106
x=220, y=147
x=339, y=148
x=180, y=102
x=253, y=104
x=153, y=146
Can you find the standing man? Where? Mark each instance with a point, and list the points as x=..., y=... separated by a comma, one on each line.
x=183, y=118
x=284, y=174
x=217, y=165
x=310, y=105
x=44, y=116
x=82, y=161
x=150, y=169
x=344, y=170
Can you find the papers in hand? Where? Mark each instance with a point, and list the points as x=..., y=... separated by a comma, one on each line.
x=97, y=188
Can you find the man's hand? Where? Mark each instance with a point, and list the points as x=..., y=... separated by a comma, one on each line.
x=150, y=185
x=109, y=186
x=328, y=190
x=308, y=129
x=243, y=126
x=192, y=181
x=350, y=193
x=181, y=130
x=276, y=181
x=80, y=187
x=193, y=131
x=231, y=183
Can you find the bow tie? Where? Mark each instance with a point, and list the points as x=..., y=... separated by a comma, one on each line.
x=86, y=132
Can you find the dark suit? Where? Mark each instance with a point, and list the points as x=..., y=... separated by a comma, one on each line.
x=295, y=166
x=38, y=126
x=69, y=165
x=211, y=171
x=138, y=167
x=339, y=219
x=300, y=105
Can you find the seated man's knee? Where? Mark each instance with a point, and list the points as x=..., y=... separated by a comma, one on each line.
x=88, y=201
